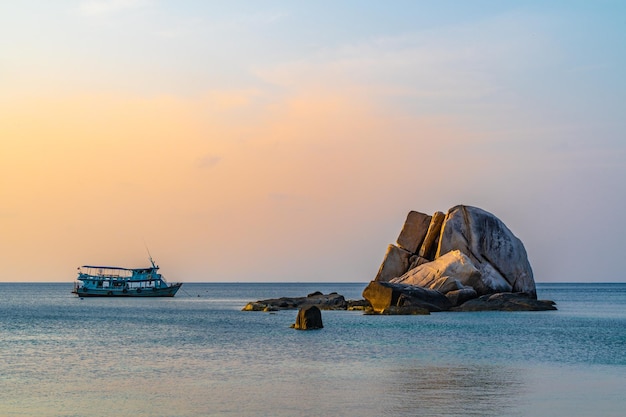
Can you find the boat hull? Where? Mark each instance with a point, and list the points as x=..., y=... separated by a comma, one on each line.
x=168, y=291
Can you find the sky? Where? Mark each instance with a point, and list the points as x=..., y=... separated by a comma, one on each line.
x=270, y=141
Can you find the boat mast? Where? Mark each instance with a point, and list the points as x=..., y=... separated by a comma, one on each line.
x=150, y=256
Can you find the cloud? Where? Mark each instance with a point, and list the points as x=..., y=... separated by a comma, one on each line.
x=446, y=65
x=208, y=161
x=107, y=7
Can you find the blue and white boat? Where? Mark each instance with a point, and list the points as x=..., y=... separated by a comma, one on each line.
x=113, y=281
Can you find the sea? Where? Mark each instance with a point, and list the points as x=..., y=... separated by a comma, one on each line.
x=198, y=354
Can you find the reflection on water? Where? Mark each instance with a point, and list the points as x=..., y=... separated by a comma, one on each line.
x=476, y=390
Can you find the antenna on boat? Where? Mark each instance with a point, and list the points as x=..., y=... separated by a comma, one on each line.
x=149, y=255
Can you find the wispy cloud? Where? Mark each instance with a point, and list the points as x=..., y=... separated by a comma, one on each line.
x=464, y=62
x=208, y=161
x=107, y=7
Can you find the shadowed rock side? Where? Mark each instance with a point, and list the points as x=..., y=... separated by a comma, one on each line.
x=308, y=318
x=505, y=302
x=414, y=231
x=463, y=255
x=428, y=250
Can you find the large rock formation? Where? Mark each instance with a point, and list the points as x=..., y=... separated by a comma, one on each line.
x=463, y=255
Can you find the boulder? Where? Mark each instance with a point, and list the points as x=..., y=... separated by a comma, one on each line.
x=458, y=297
x=428, y=249
x=413, y=232
x=395, y=263
x=382, y=295
x=452, y=271
x=506, y=302
x=308, y=318
x=495, y=251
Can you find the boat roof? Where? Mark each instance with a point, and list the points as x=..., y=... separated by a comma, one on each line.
x=118, y=268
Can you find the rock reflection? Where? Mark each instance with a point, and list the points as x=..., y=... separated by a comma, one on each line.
x=478, y=390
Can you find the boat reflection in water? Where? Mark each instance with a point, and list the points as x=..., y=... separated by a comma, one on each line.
x=112, y=281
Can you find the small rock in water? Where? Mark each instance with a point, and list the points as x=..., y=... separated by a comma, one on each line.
x=308, y=318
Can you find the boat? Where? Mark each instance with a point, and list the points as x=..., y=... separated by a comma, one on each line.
x=113, y=281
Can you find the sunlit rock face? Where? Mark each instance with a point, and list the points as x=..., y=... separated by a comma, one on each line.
x=497, y=253
x=452, y=271
x=466, y=253
x=395, y=263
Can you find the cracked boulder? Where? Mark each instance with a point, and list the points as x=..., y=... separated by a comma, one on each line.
x=495, y=251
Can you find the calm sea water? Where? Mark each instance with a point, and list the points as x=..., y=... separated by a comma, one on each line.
x=197, y=354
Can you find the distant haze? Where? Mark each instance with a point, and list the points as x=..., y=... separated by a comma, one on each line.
x=287, y=141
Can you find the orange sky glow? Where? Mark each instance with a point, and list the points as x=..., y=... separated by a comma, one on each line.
x=242, y=145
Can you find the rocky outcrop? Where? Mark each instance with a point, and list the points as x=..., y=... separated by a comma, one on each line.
x=332, y=301
x=506, y=302
x=462, y=255
x=308, y=318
